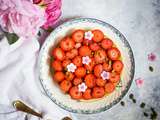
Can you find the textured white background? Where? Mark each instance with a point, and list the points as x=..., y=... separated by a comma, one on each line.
x=139, y=21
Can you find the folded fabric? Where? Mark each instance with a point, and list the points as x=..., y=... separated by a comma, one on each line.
x=19, y=81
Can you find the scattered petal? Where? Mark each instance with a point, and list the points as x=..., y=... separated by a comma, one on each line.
x=71, y=67
x=151, y=57
x=88, y=35
x=139, y=82
x=105, y=75
x=86, y=60
x=82, y=87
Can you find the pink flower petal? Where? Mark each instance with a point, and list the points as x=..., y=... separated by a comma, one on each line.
x=151, y=57
x=139, y=82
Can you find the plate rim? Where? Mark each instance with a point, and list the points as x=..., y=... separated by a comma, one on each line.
x=124, y=92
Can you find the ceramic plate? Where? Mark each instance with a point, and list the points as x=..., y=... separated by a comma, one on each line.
x=89, y=106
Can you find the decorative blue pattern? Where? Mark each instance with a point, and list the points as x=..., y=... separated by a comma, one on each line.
x=126, y=44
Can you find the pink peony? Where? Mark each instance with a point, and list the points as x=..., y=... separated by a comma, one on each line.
x=21, y=17
x=52, y=11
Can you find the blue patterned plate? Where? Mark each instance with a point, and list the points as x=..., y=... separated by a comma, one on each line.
x=90, y=106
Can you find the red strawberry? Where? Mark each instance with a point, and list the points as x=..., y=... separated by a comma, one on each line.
x=65, y=85
x=78, y=35
x=69, y=76
x=58, y=53
x=106, y=43
x=66, y=62
x=100, y=56
x=77, y=61
x=56, y=65
x=71, y=54
x=87, y=94
x=98, y=70
x=118, y=66
x=80, y=72
x=114, y=77
x=113, y=53
x=90, y=80
x=94, y=46
x=74, y=93
x=109, y=87
x=97, y=35
x=67, y=44
x=98, y=92
x=58, y=76
x=100, y=82
x=84, y=51
x=107, y=67
x=77, y=81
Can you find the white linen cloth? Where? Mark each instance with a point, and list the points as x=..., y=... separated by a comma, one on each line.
x=19, y=81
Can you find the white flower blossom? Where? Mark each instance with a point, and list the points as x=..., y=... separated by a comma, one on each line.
x=86, y=60
x=88, y=35
x=71, y=67
x=82, y=87
x=105, y=75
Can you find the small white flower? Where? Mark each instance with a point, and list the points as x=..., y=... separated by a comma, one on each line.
x=78, y=45
x=82, y=87
x=88, y=35
x=71, y=67
x=105, y=75
x=86, y=60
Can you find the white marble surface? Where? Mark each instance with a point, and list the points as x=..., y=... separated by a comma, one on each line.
x=139, y=21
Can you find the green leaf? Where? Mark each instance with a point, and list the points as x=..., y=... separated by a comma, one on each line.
x=11, y=37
